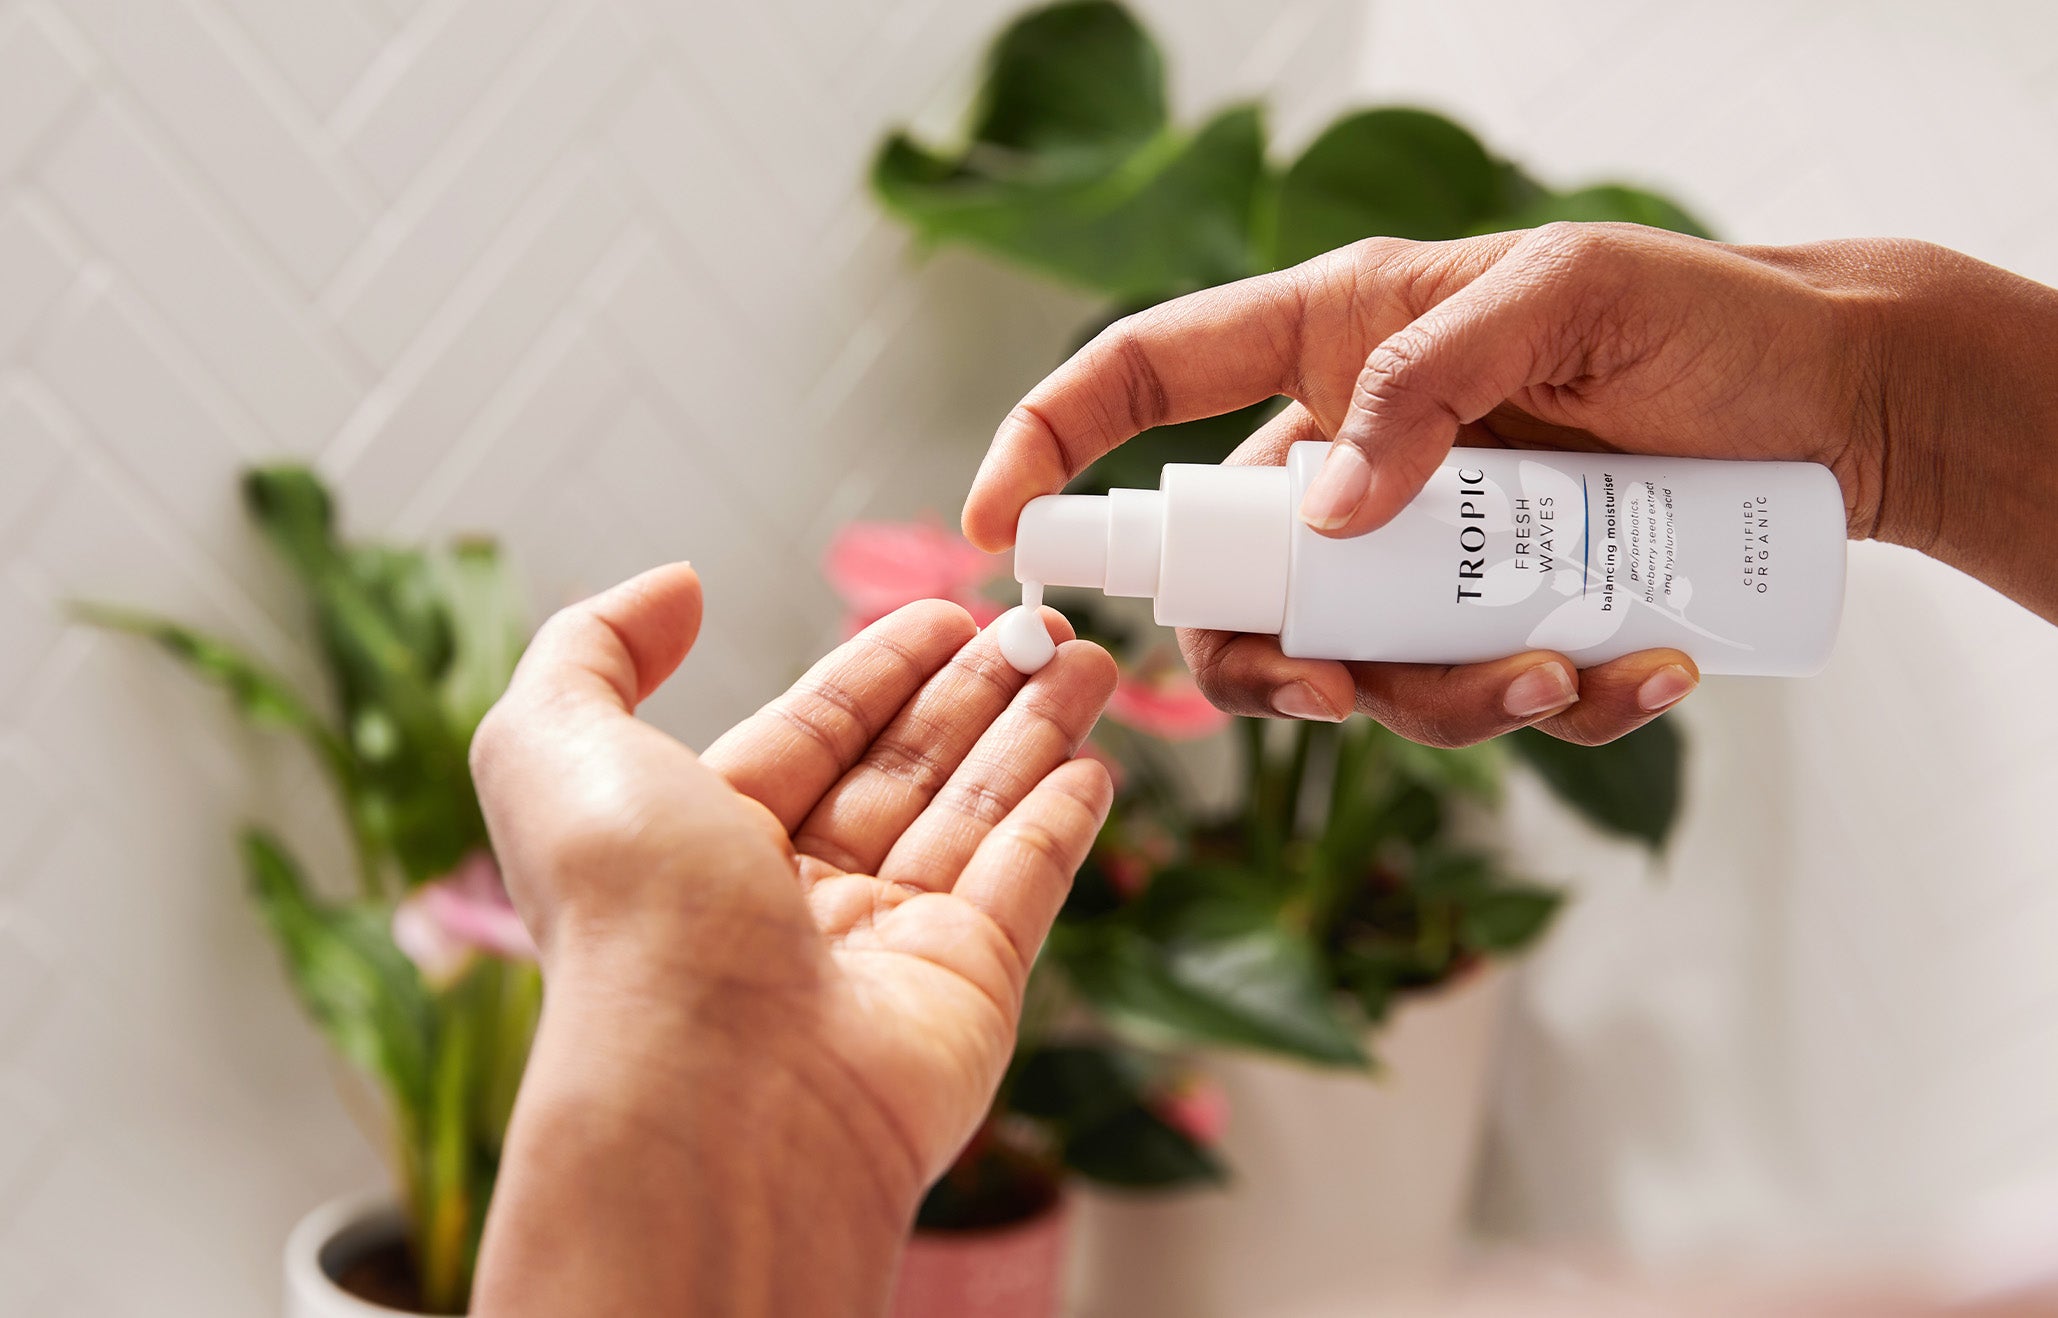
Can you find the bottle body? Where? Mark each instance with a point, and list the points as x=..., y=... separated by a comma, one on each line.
x=1739, y=564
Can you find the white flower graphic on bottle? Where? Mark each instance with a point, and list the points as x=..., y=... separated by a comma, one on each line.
x=1604, y=556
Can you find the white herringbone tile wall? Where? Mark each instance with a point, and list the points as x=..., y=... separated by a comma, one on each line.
x=597, y=275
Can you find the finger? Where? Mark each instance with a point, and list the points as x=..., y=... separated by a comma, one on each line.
x=1022, y=869
x=1440, y=705
x=1248, y=675
x=857, y=820
x=793, y=750
x=1515, y=325
x=1042, y=728
x=615, y=648
x=1618, y=697
x=1199, y=355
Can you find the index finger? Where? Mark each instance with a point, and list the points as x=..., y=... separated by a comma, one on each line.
x=1200, y=355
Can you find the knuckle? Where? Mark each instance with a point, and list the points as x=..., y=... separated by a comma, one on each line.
x=1042, y=843
x=984, y=803
x=1140, y=386
x=1568, y=242
x=915, y=760
x=1222, y=690
x=1397, y=369
x=1410, y=704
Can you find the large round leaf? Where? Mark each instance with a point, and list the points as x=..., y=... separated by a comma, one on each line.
x=1071, y=88
x=1173, y=215
x=1630, y=786
x=1395, y=172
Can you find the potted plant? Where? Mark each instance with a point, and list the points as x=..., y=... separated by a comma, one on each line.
x=1341, y=891
x=416, y=969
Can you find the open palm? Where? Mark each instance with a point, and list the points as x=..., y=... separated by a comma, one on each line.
x=855, y=879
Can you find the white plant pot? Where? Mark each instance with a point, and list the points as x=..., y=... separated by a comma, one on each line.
x=328, y=1240
x=1345, y=1188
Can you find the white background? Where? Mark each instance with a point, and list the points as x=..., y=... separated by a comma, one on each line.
x=600, y=275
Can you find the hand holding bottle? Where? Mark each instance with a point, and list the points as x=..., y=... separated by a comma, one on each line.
x=1916, y=375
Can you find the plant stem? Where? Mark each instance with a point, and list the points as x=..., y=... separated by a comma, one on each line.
x=1349, y=828
x=1261, y=816
x=447, y=1232
x=516, y=1001
x=1296, y=774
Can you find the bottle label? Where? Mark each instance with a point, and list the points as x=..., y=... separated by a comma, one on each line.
x=1595, y=555
x=1601, y=542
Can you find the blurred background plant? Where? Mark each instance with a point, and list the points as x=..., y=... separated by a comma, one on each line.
x=421, y=976
x=1337, y=878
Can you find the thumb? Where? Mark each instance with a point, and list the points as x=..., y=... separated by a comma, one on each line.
x=587, y=667
x=615, y=648
x=550, y=753
x=1448, y=367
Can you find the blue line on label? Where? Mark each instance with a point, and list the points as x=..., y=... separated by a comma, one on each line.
x=1586, y=534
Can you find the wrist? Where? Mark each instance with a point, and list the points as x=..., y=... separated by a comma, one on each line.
x=698, y=1162
x=1968, y=416
x=740, y=1067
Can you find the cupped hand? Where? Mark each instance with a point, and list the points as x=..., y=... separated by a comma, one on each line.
x=1587, y=337
x=845, y=891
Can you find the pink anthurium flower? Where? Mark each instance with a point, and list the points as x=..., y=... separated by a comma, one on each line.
x=1197, y=1108
x=1168, y=705
x=876, y=567
x=443, y=923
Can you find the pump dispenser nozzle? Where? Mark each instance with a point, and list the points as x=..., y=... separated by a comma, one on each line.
x=1109, y=542
x=1210, y=547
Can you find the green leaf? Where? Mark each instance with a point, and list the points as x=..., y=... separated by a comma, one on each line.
x=1173, y=215
x=259, y=695
x=486, y=618
x=386, y=637
x=404, y=589
x=1394, y=172
x=1630, y=786
x=363, y=993
x=1210, y=960
x=1379, y=973
x=1077, y=1084
x=1469, y=770
x=292, y=507
x=1138, y=1149
x=1453, y=875
x=1608, y=201
x=1070, y=89
x=1507, y=919
x=1096, y=1098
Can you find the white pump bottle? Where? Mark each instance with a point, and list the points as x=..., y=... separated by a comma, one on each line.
x=1739, y=564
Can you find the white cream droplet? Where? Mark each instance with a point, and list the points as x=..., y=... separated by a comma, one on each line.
x=1024, y=641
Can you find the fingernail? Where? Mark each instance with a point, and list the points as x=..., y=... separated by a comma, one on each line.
x=1299, y=700
x=1539, y=691
x=1666, y=687
x=1339, y=488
